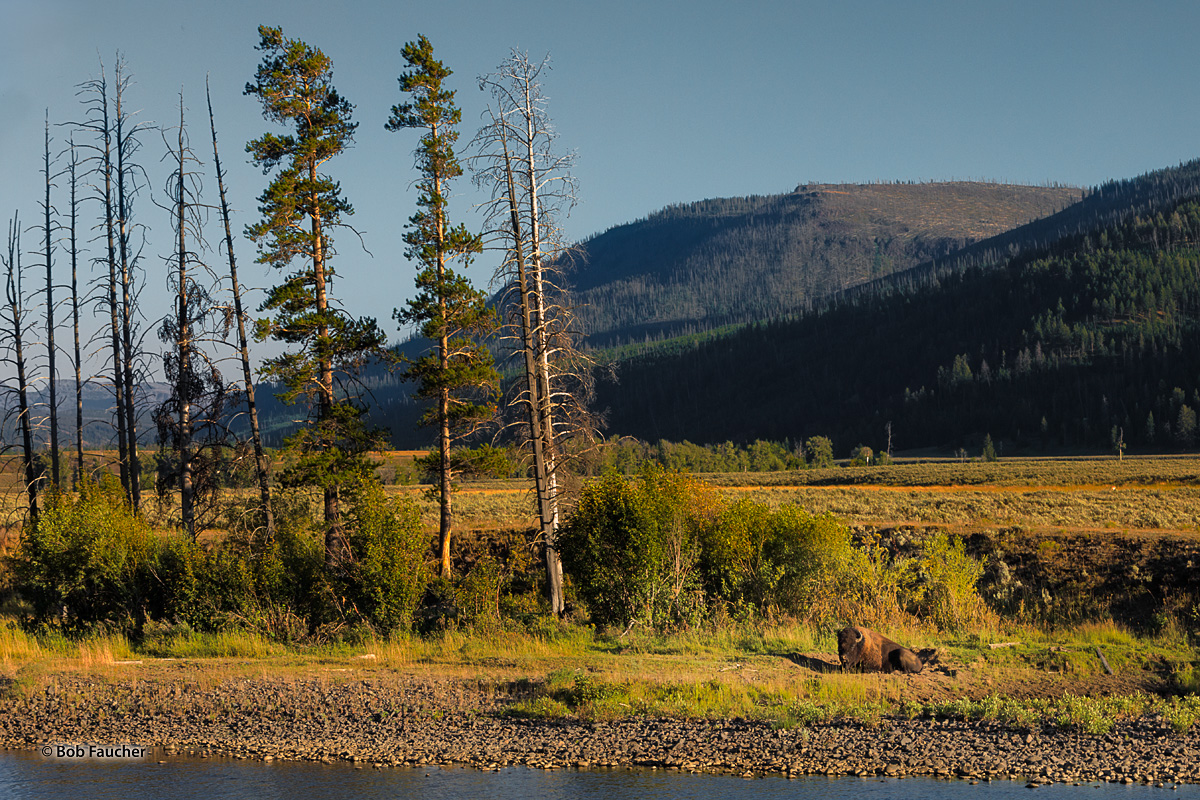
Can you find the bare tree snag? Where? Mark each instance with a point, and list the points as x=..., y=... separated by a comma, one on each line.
x=261, y=466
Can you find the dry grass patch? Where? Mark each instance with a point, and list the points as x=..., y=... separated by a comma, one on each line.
x=1123, y=508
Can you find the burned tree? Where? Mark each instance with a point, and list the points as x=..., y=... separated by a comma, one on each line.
x=98, y=123
x=118, y=181
x=15, y=324
x=531, y=187
x=48, y=229
x=72, y=172
x=129, y=178
x=191, y=422
x=261, y=466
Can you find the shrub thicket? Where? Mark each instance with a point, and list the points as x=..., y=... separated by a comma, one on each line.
x=385, y=581
x=633, y=547
x=762, y=560
x=659, y=550
x=91, y=563
x=941, y=585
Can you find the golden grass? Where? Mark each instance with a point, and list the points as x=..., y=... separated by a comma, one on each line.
x=1028, y=472
x=1124, y=508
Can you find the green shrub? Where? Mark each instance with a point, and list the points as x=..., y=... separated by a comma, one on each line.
x=632, y=547
x=758, y=559
x=941, y=584
x=385, y=581
x=478, y=593
x=815, y=557
x=90, y=561
x=734, y=564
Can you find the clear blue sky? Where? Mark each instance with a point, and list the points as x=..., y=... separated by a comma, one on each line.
x=663, y=101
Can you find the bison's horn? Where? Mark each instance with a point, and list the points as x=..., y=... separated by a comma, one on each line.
x=858, y=635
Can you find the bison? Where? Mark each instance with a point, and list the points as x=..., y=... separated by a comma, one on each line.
x=874, y=652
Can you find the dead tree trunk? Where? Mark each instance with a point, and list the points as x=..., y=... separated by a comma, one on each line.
x=530, y=186
x=261, y=465
x=184, y=345
x=547, y=507
x=52, y=379
x=126, y=145
x=15, y=333
x=103, y=128
x=72, y=167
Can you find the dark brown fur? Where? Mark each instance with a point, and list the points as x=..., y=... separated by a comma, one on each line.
x=873, y=652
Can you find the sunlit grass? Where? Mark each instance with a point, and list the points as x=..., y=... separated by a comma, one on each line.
x=103, y=651
x=17, y=648
x=1106, y=472
x=221, y=644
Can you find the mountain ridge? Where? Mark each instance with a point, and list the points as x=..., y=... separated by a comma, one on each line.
x=694, y=266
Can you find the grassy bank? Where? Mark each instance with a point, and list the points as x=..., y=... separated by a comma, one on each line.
x=786, y=675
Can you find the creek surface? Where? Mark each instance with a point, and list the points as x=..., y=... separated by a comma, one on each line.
x=25, y=774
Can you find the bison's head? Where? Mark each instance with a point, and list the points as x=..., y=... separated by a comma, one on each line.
x=851, y=642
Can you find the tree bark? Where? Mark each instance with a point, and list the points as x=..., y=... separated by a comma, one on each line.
x=52, y=379
x=126, y=303
x=75, y=320
x=261, y=467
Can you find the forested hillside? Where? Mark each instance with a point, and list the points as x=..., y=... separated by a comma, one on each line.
x=1110, y=204
x=701, y=265
x=1093, y=338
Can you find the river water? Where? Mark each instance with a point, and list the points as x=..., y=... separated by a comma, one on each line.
x=30, y=775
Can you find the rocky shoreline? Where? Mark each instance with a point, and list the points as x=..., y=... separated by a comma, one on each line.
x=393, y=720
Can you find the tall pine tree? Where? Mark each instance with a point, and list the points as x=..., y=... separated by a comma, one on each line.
x=458, y=373
x=299, y=209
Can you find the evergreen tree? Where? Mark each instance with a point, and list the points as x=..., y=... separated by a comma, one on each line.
x=447, y=310
x=989, y=449
x=299, y=208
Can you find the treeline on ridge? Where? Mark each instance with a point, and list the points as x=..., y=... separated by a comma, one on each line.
x=1077, y=345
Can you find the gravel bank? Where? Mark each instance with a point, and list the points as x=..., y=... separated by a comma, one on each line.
x=394, y=720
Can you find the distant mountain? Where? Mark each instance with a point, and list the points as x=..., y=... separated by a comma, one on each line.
x=98, y=413
x=1065, y=333
x=698, y=266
